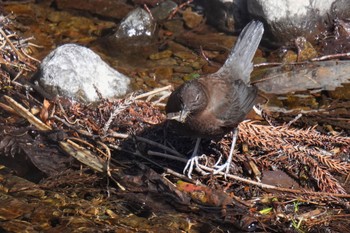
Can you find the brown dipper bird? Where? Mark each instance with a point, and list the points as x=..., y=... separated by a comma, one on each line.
x=214, y=104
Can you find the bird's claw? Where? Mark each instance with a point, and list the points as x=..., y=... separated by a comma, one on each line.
x=193, y=163
x=225, y=166
x=220, y=168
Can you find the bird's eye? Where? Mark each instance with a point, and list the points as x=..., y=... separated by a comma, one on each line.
x=197, y=98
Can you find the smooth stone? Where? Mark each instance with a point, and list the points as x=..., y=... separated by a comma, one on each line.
x=176, y=47
x=192, y=19
x=164, y=62
x=164, y=72
x=197, y=65
x=135, y=35
x=286, y=20
x=186, y=56
x=183, y=69
x=175, y=26
x=163, y=10
x=137, y=23
x=74, y=71
x=161, y=55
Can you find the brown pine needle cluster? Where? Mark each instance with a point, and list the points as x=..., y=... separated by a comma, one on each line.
x=300, y=151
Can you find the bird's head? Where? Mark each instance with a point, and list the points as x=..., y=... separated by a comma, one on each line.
x=191, y=98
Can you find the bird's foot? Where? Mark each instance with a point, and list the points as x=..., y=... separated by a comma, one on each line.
x=193, y=163
x=220, y=168
x=226, y=166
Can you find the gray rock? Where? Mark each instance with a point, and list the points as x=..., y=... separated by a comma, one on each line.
x=74, y=71
x=288, y=19
x=137, y=23
x=135, y=35
x=284, y=20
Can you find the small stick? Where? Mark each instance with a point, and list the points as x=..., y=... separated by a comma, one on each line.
x=155, y=91
x=267, y=186
x=167, y=156
x=331, y=56
x=153, y=143
x=10, y=44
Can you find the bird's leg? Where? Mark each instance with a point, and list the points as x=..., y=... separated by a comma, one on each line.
x=193, y=161
x=227, y=164
x=218, y=162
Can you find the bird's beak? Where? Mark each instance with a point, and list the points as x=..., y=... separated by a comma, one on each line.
x=183, y=115
x=179, y=116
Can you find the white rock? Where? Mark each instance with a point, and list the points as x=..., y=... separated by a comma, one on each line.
x=72, y=70
x=288, y=19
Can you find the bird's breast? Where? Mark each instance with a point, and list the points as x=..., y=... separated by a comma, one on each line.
x=206, y=125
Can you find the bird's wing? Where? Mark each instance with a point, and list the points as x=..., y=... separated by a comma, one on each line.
x=229, y=101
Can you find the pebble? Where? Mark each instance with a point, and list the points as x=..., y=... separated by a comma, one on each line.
x=192, y=19
x=161, y=55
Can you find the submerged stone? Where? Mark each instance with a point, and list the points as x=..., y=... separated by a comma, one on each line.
x=192, y=19
x=137, y=23
x=135, y=35
x=163, y=10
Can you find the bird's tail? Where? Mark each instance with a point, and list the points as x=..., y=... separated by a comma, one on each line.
x=239, y=63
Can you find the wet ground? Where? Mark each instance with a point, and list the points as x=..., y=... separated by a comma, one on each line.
x=184, y=47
